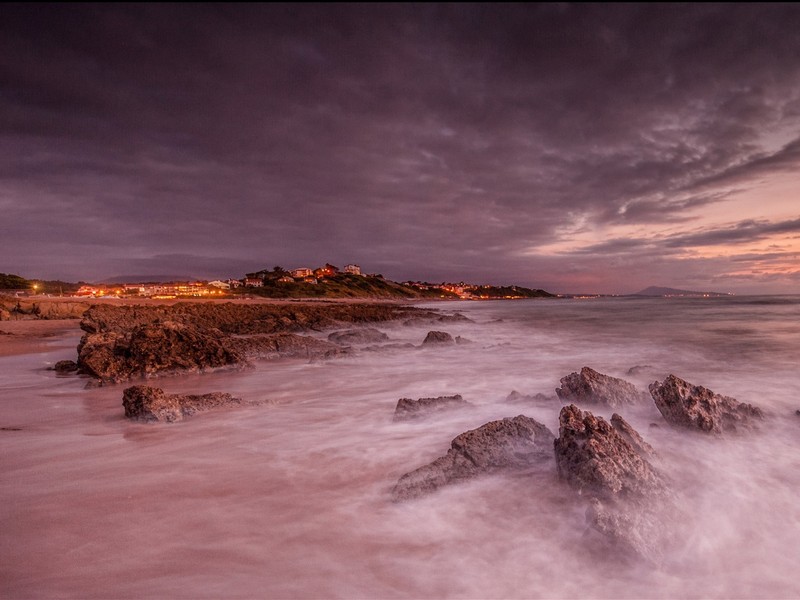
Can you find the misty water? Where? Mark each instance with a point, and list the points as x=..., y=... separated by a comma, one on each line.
x=290, y=498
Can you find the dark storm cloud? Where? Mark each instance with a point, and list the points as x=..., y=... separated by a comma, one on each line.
x=423, y=141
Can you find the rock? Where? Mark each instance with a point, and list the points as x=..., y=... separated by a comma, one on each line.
x=153, y=349
x=455, y=318
x=438, y=337
x=509, y=444
x=148, y=404
x=630, y=435
x=591, y=387
x=696, y=407
x=284, y=345
x=144, y=403
x=797, y=412
x=516, y=397
x=596, y=459
x=629, y=502
x=65, y=366
x=463, y=340
x=408, y=409
x=358, y=336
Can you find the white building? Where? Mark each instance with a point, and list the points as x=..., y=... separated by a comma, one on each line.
x=301, y=272
x=352, y=269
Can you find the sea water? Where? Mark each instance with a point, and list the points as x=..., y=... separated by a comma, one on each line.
x=290, y=498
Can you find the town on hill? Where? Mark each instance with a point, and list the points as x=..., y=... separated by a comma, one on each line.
x=327, y=281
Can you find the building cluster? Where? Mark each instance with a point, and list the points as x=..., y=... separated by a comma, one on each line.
x=196, y=289
x=298, y=275
x=461, y=289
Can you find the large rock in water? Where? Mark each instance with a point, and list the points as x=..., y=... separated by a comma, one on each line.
x=508, y=444
x=696, y=407
x=594, y=457
x=408, y=409
x=152, y=349
x=608, y=464
x=591, y=387
x=148, y=404
x=438, y=337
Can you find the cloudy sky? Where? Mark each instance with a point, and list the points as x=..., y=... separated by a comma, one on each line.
x=570, y=147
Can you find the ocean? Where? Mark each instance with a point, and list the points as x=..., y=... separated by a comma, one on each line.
x=291, y=498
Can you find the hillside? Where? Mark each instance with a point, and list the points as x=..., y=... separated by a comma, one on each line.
x=340, y=285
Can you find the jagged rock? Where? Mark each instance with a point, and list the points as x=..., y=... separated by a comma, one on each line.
x=408, y=409
x=438, y=337
x=152, y=349
x=463, y=340
x=630, y=435
x=595, y=458
x=508, y=444
x=65, y=366
x=148, y=404
x=607, y=464
x=696, y=407
x=358, y=336
x=591, y=387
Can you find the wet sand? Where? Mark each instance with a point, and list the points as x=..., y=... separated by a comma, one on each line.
x=32, y=336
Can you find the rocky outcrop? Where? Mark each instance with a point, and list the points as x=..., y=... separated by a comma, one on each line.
x=150, y=404
x=695, y=407
x=358, y=336
x=607, y=463
x=246, y=319
x=408, y=409
x=12, y=308
x=438, y=337
x=509, y=444
x=154, y=349
x=591, y=387
x=123, y=342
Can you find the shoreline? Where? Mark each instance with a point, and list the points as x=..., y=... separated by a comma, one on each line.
x=31, y=336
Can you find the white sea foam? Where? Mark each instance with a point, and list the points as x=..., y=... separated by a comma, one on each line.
x=291, y=498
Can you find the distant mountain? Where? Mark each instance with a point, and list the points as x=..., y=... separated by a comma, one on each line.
x=666, y=291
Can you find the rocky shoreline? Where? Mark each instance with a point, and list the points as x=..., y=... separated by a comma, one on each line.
x=613, y=470
x=121, y=343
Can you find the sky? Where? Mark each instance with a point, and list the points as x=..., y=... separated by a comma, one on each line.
x=574, y=148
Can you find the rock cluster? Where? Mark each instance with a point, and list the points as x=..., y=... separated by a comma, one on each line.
x=591, y=387
x=123, y=342
x=408, y=409
x=696, y=407
x=149, y=404
x=608, y=464
x=508, y=444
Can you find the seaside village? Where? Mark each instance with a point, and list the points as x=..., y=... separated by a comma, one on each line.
x=222, y=288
